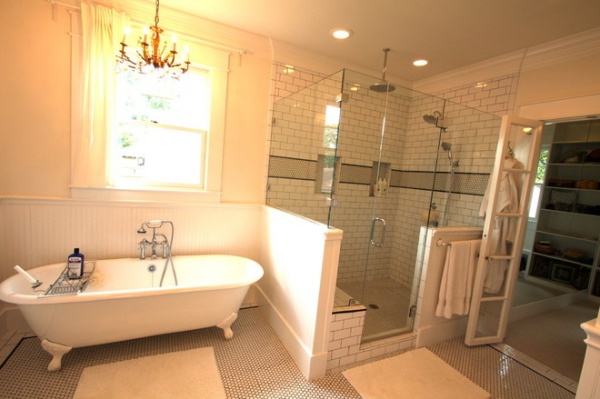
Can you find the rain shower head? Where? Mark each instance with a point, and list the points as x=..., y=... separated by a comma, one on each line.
x=383, y=86
x=436, y=119
x=447, y=146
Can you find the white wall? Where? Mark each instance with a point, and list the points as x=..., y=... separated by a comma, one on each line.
x=300, y=258
x=37, y=111
x=43, y=231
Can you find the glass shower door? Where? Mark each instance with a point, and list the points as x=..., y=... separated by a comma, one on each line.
x=369, y=147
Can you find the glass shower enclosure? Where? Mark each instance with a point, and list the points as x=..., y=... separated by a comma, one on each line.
x=382, y=163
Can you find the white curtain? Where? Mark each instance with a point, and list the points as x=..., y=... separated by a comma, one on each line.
x=102, y=30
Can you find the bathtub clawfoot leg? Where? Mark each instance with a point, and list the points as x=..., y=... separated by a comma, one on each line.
x=57, y=351
x=226, y=325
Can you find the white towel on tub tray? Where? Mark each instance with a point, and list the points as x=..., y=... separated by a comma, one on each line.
x=456, y=286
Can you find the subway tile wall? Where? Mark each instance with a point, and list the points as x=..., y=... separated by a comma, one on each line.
x=495, y=96
x=345, y=349
x=411, y=145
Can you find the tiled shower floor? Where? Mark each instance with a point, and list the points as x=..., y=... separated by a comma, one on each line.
x=387, y=304
x=253, y=364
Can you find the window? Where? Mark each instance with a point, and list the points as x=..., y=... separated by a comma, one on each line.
x=161, y=132
x=332, y=124
x=129, y=150
x=538, y=182
x=326, y=164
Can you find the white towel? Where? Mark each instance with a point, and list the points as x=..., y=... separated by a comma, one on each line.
x=456, y=286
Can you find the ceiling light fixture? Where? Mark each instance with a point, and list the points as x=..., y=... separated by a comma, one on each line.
x=341, y=33
x=150, y=58
x=420, y=63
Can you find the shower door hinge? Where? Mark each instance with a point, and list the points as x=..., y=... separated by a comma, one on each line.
x=342, y=98
x=412, y=311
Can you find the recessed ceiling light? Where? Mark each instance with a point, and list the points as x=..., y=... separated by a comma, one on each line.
x=420, y=63
x=341, y=33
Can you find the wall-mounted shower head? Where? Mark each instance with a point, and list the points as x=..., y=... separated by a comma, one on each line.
x=383, y=86
x=436, y=119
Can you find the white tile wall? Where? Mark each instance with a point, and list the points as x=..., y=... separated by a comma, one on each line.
x=345, y=348
x=409, y=144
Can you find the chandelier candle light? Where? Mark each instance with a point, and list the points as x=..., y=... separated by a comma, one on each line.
x=150, y=57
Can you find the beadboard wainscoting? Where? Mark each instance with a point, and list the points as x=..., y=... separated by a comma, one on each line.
x=299, y=256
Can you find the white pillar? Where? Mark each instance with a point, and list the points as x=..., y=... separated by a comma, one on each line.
x=589, y=381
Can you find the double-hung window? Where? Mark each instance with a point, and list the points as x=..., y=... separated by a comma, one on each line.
x=143, y=137
x=161, y=131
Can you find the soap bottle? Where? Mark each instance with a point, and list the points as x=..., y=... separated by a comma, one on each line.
x=75, y=265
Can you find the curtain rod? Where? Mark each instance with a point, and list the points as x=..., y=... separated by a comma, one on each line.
x=240, y=51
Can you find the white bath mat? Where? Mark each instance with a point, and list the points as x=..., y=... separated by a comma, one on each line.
x=186, y=374
x=414, y=374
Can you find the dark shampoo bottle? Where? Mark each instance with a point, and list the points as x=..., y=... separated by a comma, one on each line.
x=75, y=265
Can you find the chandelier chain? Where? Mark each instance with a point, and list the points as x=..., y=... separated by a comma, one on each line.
x=156, y=15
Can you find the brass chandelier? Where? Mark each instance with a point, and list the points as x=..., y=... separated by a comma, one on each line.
x=153, y=57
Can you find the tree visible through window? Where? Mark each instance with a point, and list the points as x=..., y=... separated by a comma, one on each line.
x=162, y=127
x=330, y=135
x=539, y=181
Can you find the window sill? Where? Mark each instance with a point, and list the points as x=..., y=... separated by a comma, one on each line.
x=153, y=195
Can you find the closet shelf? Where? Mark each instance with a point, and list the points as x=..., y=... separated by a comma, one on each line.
x=562, y=259
x=568, y=235
x=569, y=210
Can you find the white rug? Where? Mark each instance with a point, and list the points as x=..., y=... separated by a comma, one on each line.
x=417, y=374
x=186, y=374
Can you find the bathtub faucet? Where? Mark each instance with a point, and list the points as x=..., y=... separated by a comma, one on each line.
x=158, y=240
x=164, y=244
x=142, y=247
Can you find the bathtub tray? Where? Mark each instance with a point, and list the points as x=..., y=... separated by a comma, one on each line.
x=66, y=286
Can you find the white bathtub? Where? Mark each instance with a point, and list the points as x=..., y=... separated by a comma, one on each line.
x=124, y=301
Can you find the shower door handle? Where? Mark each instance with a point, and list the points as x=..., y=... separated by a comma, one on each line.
x=373, y=223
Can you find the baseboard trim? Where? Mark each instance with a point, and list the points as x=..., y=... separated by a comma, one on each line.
x=312, y=366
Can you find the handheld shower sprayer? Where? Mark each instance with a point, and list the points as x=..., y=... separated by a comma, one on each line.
x=448, y=148
x=34, y=282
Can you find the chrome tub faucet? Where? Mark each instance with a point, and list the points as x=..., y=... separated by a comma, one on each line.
x=159, y=241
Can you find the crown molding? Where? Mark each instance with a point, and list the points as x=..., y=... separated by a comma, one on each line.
x=198, y=29
x=569, y=48
x=287, y=53
x=572, y=47
x=562, y=109
x=482, y=71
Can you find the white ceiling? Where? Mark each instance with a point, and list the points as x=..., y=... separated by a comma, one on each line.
x=449, y=33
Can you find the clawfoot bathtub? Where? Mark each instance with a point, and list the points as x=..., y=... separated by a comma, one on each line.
x=123, y=300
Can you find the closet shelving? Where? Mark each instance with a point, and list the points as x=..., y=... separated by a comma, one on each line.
x=567, y=248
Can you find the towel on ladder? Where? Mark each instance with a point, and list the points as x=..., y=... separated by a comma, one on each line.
x=457, y=278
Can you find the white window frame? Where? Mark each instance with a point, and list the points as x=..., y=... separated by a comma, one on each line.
x=216, y=62
x=537, y=189
x=162, y=128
